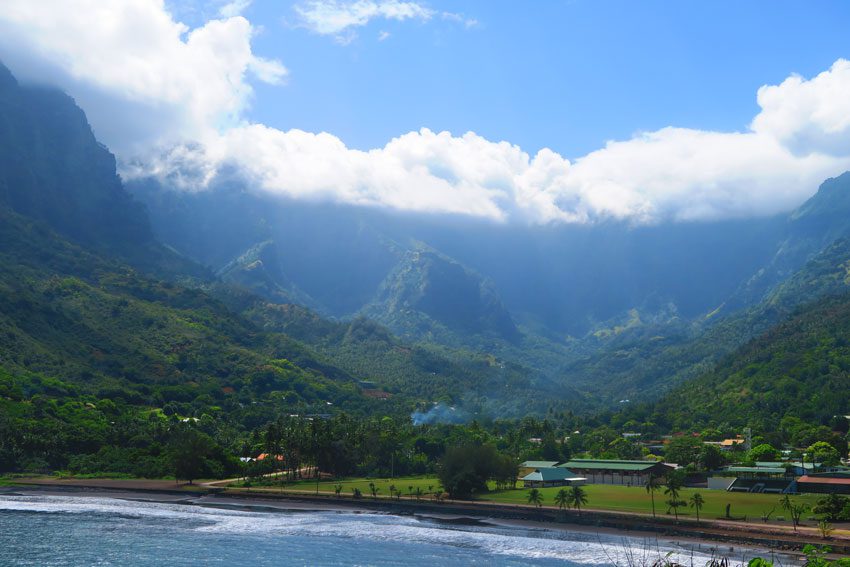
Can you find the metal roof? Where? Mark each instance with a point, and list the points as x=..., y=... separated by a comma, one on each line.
x=539, y=464
x=546, y=474
x=768, y=470
x=822, y=480
x=601, y=464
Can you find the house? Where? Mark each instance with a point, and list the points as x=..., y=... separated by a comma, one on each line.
x=609, y=471
x=727, y=444
x=264, y=456
x=529, y=466
x=551, y=476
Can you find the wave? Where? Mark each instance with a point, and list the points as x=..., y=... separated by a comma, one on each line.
x=521, y=543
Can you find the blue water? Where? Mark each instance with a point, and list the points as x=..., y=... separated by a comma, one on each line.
x=79, y=530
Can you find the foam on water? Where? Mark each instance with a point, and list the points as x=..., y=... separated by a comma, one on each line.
x=521, y=544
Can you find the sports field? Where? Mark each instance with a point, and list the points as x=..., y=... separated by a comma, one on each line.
x=599, y=496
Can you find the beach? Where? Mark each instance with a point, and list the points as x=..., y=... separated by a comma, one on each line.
x=709, y=538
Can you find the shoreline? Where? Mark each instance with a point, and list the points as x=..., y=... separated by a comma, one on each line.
x=727, y=540
x=265, y=503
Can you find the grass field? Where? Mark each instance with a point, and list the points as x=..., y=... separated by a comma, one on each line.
x=599, y=496
x=636, y=499
x=426, y=484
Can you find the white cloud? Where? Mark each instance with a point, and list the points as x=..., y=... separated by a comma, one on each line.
x=339, y=18
x=383, y=35
x=234, y=8
x=332, y=17
x=138, y=70
x=131, y=59
x=809, y=116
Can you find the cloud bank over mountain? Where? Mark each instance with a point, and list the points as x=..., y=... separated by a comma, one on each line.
x=171, y=102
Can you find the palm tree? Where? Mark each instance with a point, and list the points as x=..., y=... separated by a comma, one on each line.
x=392, y=490
x=785, y=503
x=374, y=490
x=673, y=504
x=696, y=503
x=578, y=497
x=535, y=497
x=562, y=499
x=337, y=489
x=418, y=493
x=673, y=486
x=653, y=483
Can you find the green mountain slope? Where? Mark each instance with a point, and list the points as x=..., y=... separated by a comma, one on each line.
x=800, y=368
x=644, y=360
x=430, y=295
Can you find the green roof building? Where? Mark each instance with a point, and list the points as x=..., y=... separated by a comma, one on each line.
x=609, y=471
x=551, y=476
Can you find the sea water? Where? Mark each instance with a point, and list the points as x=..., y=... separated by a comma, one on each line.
x=87, y=530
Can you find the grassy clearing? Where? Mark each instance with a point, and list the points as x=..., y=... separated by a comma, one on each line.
x=636, y=499
x=426, y=484
x=599, y=496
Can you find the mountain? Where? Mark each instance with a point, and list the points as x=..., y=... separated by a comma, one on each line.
x=555, y=281
x=547, y=299
x=53, y=169
x=799, y=369
x=109, y=340
x=105, y=310
x=805, y=232
x=428, y=294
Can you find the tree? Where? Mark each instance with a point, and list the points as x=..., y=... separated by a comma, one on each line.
x=535, y=497
x=833, y=507
x=189, y=450
x=785, y=503
x=653, y=484
x=374, y=490
x=683, y=450
x=464, y=470
x=674, y=483
x=696, y=503
x=825, y=528
x=711, y=458
x=674, y=503
x=763, y=452
x=562, y=499
x=578, y=497
x=823, y=453
x=797, y=511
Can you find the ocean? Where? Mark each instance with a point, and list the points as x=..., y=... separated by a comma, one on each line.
x=52, y=530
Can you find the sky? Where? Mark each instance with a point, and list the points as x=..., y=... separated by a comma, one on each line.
x=539, y=112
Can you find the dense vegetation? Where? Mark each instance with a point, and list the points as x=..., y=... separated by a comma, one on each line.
x=118, y=355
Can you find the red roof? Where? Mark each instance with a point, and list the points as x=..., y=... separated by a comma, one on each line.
x=823, y=480
x=264, y=456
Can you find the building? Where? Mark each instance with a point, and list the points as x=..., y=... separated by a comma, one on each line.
x=825, y=483
x=767, y=479
x=551, y=476
x=530, y=466
x=627, y=473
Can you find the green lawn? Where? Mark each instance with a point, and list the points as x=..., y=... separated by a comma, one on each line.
x=599, y=496
x=383, y=484
x=636, y=499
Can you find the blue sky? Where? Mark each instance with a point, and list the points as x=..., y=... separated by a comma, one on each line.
x=567, y=75
x=539, y=112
